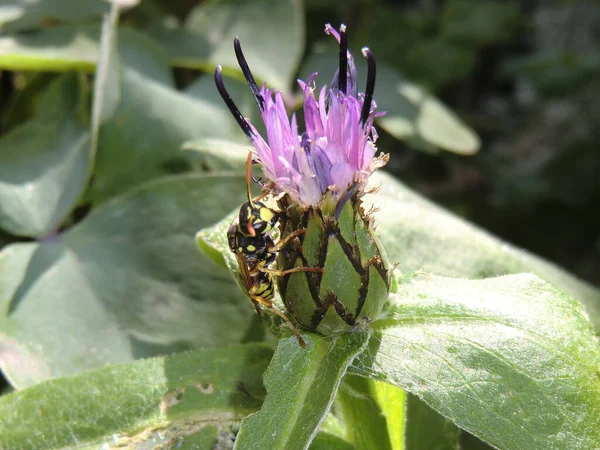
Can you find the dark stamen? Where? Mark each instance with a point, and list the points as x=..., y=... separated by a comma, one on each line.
x=343, y=70
x=259, y=180
x=239, y=54
x=245, y=126
x=366, y=108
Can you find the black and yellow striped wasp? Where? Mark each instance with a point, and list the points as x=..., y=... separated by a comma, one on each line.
x=256, y=252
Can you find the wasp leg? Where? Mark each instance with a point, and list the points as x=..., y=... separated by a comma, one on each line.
x=267, y=188
x=269, y=304
x=281, y=273
x=282, y=242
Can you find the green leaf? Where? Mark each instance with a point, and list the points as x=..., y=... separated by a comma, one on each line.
x=365, y=418
x=107, y=92
x=44, y=163
x=52, y=49
x=392, y=402
x=301, y=385
x=141, y=142
x=271, y=33
x=126, y=282
x=166, y=400
x=425, y=428
x=215, y=154
x=412, y=114
x=23, y=103
x=77, y=47
x=326, y=441
x=213, y=242
x=23, y=14
x=510, y=359
x=420, y=235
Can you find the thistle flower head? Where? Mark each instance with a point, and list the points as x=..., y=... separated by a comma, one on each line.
x=335, y=152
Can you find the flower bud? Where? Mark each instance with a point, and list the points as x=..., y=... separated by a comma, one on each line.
x=355, y=282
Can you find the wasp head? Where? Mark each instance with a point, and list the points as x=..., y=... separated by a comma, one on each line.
x=256, y=219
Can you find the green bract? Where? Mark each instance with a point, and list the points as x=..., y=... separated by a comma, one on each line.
x=355, y=282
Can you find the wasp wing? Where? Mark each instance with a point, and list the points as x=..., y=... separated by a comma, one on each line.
x=246, y=278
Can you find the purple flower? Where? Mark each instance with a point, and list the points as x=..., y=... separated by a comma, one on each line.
x=337, y=149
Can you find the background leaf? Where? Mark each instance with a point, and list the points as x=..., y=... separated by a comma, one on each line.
x=22, y=14
x=392, y=402
x=510, y=359
x=366, y=423
x=215, y=154
x=76, y=47
x=421, y=420
x=207, y=38
x=44, y=163
x=326, y=441
x=420, y=235
x=190, y=398
x=140, y=142
x=126, y=282
x=107, y=92
x=301, y=385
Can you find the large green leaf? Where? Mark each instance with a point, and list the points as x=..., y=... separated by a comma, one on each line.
x=510, y=359
x=44, y=163
x=271, y=33
x=24, y=14
x=412, y=114
x=301, y=385
x=124, y=283
x=77, y=47
x=142, y=141
x=420, y=235
x=188, y=400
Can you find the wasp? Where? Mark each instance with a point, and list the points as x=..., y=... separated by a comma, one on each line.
x=255, y=251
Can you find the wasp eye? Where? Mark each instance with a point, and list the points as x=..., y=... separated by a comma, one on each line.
x=260, y=227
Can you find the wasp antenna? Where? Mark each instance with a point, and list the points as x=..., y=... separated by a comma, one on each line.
x=242, y=122
x=343, y=69
x=248, y=178
x=239, y=54
x=366, y=108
